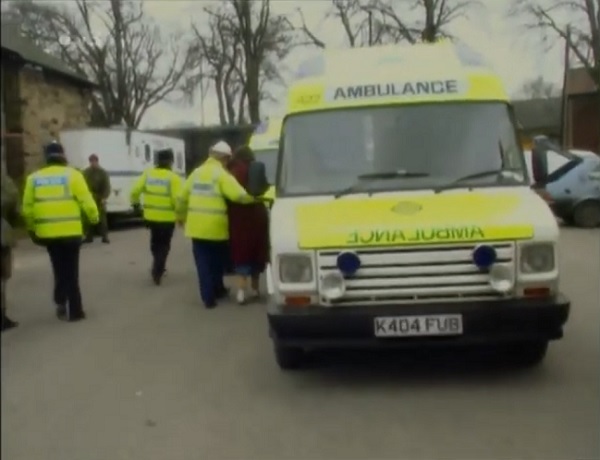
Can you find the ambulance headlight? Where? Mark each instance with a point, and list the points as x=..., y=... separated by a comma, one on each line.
x=501, y=279
x=537, y=258
x=333, y=285
x=295, y=268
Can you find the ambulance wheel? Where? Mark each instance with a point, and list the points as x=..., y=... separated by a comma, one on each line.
x=587, y=214
x=528, y=354
x=289, y=358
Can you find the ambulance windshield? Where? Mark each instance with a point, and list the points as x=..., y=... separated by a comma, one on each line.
x=324, y=152
x=269, y=158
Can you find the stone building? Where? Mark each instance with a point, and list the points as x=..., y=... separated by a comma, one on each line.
x=40, y=97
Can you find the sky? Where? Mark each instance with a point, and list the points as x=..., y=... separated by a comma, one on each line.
x=516, y=54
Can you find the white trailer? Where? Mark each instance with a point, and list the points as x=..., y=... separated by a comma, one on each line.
x=123, y=153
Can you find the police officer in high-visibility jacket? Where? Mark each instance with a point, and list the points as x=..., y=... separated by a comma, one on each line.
x=53, y=201
x=203, y=208
x=160, y=187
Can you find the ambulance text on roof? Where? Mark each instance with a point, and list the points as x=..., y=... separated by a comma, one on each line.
x=416, y=88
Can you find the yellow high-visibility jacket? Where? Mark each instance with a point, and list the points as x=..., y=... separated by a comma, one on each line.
x=161, y=188
x=53, y=201
x=202, y=201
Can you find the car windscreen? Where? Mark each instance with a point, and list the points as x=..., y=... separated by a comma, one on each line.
x=269, y=158
x=324, y=152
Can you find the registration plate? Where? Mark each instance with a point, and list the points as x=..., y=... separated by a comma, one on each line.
x=414, y=326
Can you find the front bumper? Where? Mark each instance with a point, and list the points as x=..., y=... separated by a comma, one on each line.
x=484, y=322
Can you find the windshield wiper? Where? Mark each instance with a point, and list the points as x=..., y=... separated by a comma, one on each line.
x=384, y=175
x=478, y=175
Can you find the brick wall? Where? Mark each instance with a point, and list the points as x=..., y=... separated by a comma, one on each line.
x=584, y=123
x=49, y=104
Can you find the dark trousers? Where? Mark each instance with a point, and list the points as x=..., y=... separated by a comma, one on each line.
x=64, y=256
x=161, y=234
x=6, y=274
x=210, y=259
x=101, y=227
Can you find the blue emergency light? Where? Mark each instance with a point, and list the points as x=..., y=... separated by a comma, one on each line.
x=348, y=263
x=484, y=256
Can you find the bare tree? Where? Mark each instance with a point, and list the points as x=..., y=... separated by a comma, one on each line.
x=574, y=22
x=420, y=20
x=538, y=88
x=374, y=22
x=125, y=59
x=356, y=19
x=244, y=46
x=265, y=40
x=220, y=48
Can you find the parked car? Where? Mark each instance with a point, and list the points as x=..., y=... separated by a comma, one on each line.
x=573, y=183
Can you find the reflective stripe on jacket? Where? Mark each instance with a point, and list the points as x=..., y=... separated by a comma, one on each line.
x=53, y=201
x=160, y=188
x=202, y=203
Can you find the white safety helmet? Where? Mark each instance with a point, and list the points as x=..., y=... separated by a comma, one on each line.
x=221, y=148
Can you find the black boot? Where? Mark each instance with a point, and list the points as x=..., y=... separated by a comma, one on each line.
x=156, y=278
x=61, y=311
x=8, y=323
x=77, y=317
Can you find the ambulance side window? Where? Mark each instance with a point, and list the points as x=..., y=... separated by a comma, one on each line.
x=147, y=153
x=509, y=149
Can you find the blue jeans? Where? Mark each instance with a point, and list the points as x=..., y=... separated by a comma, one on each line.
x=209, y=257
x=247, y=270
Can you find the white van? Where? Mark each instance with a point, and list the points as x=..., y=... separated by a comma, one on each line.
x=123, y=153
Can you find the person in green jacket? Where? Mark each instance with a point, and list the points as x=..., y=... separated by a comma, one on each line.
x=99, y=184
x=10, y=217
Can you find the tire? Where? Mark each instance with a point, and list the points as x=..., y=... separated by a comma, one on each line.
x=528, y=354
x=568, y=219
x=587, y=214
x=289, y=358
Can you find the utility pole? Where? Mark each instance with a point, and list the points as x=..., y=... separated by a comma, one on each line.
x=370, y=28
x=202, y=93
x=565, y=131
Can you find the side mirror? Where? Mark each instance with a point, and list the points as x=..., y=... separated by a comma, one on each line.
x=539, y=165
x=257, y=179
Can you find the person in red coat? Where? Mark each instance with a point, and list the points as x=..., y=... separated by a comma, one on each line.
x=248, y=232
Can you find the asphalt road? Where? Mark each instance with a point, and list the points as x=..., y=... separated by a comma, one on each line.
x=151, y=375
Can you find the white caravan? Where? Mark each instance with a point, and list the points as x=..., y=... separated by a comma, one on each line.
x=123, y=153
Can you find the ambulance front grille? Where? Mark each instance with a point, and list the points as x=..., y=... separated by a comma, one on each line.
x=416, y=275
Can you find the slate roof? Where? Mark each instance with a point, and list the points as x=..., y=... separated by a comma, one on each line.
x=539, y=113
x=14, y=42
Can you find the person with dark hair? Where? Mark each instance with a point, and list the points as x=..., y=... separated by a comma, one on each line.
x=248, y=232
x=160, y=187
x=54, y=200
x=99, y=184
